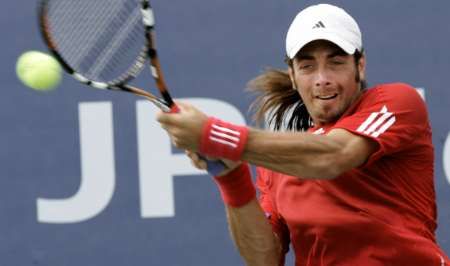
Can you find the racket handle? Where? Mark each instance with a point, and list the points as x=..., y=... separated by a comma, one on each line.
x=214, y=167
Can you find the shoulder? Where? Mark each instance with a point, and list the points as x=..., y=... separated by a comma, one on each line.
x=395, y=87
x=396, y=97
x=394, y=92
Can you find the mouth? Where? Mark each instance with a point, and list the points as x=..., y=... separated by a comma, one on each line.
x=327, y=96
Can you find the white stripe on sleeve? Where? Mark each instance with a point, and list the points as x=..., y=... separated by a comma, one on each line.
x=382, y=129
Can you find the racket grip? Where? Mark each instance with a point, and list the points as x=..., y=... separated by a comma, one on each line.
x=214, y=167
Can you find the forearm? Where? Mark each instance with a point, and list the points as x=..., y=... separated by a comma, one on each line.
x=253, y=235
x=293, y=153
x=249, y=227
x=308, y=155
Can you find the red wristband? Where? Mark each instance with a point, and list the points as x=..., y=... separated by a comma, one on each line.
x=236, y=187
x=221, y=139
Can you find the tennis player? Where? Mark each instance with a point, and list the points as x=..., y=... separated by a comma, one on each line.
x=350, y=182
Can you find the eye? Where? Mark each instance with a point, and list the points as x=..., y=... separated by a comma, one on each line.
x=337, y=61
x=305, y=66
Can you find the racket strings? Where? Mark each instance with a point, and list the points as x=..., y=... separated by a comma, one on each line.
x=107, y=56
x=102, y=40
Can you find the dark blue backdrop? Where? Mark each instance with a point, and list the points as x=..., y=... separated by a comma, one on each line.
x=209, y=49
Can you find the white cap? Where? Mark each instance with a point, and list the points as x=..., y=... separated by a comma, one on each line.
x=323, y=22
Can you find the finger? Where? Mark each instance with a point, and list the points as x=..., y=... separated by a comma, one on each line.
x=183, y=106
x=162, y=117
x=196, y=159
x=192, y=155
x=200, y=164
x=168, y=118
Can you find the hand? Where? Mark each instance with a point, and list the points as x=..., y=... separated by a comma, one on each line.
x=185, y=127
x=199, y=163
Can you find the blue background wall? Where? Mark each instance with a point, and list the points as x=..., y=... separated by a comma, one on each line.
x=209, y=50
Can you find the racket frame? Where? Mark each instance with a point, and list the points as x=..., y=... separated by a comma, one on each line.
x=165, y=103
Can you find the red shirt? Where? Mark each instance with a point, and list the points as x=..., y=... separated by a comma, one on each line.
x=381, y=213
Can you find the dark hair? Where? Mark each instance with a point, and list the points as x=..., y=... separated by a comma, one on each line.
x=276, y=98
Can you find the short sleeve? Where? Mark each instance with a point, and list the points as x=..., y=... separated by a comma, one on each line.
x=393, y=115
x=266, y=201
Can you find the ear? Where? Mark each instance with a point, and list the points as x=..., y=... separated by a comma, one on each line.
x=291, y=77
x=362, y=67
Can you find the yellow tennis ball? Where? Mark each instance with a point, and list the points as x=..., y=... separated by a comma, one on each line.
x=38, y=70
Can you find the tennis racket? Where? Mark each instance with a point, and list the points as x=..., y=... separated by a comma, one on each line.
x=106, y=44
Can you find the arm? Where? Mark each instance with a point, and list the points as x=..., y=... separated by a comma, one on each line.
x=294, y=153
x=314, y=156
x=252, y=235
x=250, y=229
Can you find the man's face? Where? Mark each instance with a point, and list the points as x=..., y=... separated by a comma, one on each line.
x=325, y=78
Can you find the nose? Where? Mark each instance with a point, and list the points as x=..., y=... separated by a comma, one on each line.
x=322, y=78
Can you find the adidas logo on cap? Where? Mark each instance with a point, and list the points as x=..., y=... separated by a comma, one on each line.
x=319, y=25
